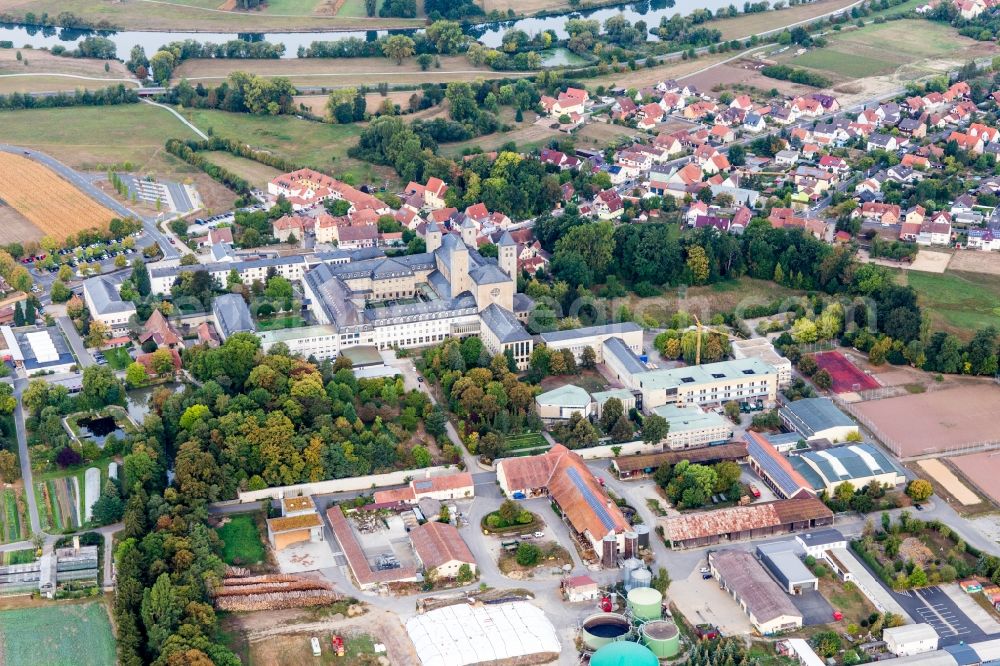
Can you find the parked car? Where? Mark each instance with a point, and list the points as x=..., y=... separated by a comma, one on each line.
x=539, y=535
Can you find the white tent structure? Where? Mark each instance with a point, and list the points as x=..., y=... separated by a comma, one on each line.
x=463, y=634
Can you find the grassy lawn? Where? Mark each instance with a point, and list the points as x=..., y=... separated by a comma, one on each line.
x=118, y=357
x=275, y=323
x=846, y=598
x=356, y=9
x=17, y=557
x=255, y=173
x=242, y=543
x=960, y=303
x=306, y=142
x=527, y=440
x=720, y=297
x=74, y=634
x=845, y=64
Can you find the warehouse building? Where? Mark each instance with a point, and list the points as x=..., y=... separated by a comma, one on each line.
x=775, y=470
x=857, y=464
x=441, y=550
x=742, y=576
x=738, y=523
x=691, y=426
x=782, y=559
x=910, y=639
x=622, y=363
x=642, y=465
x=561, y=403
x=818, y=418
x=231, y=316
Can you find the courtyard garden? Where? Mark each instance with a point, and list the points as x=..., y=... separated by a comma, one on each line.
x=241, y=540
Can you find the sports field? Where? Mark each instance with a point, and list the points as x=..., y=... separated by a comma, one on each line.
x=936, y=421
x=60, y=634
x=940, y=473
x=880, y=48
x=958, y=302
x=46, y=200
x=983, y=470
x=846, y=376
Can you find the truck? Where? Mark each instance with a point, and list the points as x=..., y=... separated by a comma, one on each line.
x=317, y=651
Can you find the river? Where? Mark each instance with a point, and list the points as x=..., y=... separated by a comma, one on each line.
x=489, y=34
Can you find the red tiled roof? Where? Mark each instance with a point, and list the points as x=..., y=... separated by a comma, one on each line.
x=439, y=543
x=356, y=556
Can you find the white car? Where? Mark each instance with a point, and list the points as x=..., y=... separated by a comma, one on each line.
x=538, y=535
x=704, y=570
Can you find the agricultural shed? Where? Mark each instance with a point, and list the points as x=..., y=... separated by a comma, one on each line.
x=858, y=464
x=817, y=418
x=638, y=466
x=910, y=639
x=775, y=469
x=737, y=523
x=741, y=575
x=462, y=634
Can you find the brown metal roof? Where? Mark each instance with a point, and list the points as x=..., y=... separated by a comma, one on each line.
x=731, y=451
x=439, y=543
x=743, y=518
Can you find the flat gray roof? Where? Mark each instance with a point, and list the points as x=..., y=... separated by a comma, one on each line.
x=587, y=331
x=812, y=415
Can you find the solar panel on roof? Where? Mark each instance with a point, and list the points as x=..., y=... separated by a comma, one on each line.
x=423, y=484
x=773, y=467
x=595, y=503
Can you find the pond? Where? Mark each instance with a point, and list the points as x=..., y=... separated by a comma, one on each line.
x=137, y=400
x=99, y=429
x=490, y=34
x=561, y=57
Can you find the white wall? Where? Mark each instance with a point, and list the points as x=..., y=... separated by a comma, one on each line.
x=342, y=485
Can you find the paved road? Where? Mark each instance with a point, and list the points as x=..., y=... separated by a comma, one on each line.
x=95, y=193
x=22, y=452
x=75, y=341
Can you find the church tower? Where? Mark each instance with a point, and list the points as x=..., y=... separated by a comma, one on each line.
x=507, y=255
x=432, y=237
x=469, y=233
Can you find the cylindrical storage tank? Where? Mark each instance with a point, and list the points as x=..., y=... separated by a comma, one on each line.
x=662, y=638
x=640, y=578
x=642, y=532
x=631, y=544
x=610, y=551
x=603, y=628
x=628, y=566
x=624, y=653
x=645, y=603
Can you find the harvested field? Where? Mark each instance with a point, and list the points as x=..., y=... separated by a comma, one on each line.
x=931, y=262
x=604, y=134
x=937, y=470
x=934, y=422
x=528, y=136
x=747, y=25
x=256, y=173
x=973, y=261
x=674, y=69
x=46, y=200
x=957, y=302
x=982, y=470
x=744, y=73
x=846, y=376
x=16, y=227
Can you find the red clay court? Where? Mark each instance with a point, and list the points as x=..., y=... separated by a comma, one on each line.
x=983, y=470
x=846, y=376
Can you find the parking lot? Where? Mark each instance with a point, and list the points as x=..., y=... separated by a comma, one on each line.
x=932, y=605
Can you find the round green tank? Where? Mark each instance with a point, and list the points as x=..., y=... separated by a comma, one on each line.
x=662, y=638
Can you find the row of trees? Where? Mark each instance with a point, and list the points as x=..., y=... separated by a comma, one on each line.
x=117, y=94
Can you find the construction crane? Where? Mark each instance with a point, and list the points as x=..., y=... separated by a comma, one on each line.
x=697, y=353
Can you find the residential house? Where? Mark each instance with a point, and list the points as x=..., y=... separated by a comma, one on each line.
x=608, y=205
x=882, y=142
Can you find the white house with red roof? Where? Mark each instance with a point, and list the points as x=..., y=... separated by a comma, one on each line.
x=608, y=205
x=574, y=100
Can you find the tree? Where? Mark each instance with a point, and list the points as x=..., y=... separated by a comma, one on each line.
x=920, y=490
x=827, y=643
x=610, y=413
x=135, y=374
x=8, y=467
x=823, y=380
x=161, y=611
x=109, y=507
x=654, y=429
x=510, y=511
x=162, y=361
x=917, y=578
x=97, y=334
x=398, y=48
x=464, y=573
x=588, y=357
x=697, y=264
x=60, y=292
x=528, y=554
x=622, y=430
x=733, y=411
x=844, y=492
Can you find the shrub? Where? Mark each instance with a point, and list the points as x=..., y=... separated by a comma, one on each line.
x=528, y=554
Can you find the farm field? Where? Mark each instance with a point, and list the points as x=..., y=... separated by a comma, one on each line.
x=339, y=72
x=46, y=200
x=975, y=262
x=41, y=73
x=14, y=524
x=957, y=302
x=58, y=503
x=67, y=634
x=257, y=174
x=242, y=543
x=746, y=25
x=938, y=421
x=527, y=136
x=16, y=227
x=302, y=141
x=880, y=48
x=10, y=557
x=202, y=15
